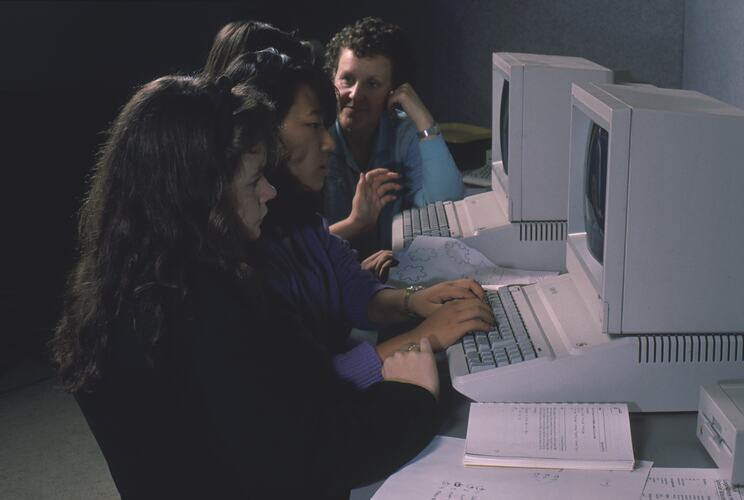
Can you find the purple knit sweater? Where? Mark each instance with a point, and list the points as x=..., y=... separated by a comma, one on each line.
x=316, y=275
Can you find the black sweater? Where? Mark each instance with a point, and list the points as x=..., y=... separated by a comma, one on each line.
x=235, y=406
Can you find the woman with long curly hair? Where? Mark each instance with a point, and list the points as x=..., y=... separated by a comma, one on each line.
x=190, y=386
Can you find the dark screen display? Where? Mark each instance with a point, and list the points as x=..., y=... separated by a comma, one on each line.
x=595, y=191
x=504, y=126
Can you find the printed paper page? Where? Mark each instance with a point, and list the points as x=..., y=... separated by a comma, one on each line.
x=437, y=473
x=688, y=484
x=567, y=431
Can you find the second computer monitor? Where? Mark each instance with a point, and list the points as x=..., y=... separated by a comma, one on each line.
x=531, y=122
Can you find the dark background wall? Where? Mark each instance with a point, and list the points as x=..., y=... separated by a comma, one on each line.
x=641, y=38
x=714, y=49
x=67, y=67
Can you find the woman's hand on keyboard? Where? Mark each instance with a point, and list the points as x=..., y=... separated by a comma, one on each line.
x=414, y=365
x=425, y=302
x=454, y=319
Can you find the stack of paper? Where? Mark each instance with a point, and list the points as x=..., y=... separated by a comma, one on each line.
x=550, y=435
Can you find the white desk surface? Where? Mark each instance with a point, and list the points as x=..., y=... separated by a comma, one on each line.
x=667, y=439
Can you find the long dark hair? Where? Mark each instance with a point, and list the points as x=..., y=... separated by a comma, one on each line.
x=279, y=77
x=238, y=37
x=156, y=205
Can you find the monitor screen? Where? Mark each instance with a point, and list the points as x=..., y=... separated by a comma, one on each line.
x=595, y=191
x=504, y=126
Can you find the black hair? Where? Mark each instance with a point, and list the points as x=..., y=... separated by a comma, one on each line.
x=238, y=37
x=368, y=37
x=280, y=77
x=157, y=203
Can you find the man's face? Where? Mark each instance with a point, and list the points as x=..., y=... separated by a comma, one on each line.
x=363, y=85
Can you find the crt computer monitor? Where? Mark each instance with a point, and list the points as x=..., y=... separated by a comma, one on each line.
x=650, y=306
x=521, y=221
x=531, y=120
x=655, y=220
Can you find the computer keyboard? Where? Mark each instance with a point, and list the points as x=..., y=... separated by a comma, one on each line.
x=430, y=220
x=507, y=344
x=480, y=176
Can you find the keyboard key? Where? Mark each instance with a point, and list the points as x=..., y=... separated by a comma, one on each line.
x=506, y=330
x=433, y=219
x=500, y=356
x=415, y=222
x=494, y=336
x=480, y=368
x=502, y=344
x=407, y=224
x=425, y=223
x=441, y=214
x=474, y=359
x=483, y=345
x=513, y=352
x=526, y=346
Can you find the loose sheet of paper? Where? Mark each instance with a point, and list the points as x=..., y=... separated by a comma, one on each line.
x=569, y=431
x=437, y=474
x=432, y=259
x=688, y=484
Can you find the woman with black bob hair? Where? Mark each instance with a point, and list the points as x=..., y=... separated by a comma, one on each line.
x=166, y=342
x=315, y=275
x=373, y=190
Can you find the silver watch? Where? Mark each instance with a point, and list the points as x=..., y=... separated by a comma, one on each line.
x=429, y=132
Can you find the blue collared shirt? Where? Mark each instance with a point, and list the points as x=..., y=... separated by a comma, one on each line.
x=428, y=172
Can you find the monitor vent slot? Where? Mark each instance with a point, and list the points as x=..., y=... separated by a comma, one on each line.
x=716, y=348
x=542, y=231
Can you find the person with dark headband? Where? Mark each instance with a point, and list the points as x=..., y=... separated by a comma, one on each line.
x=383, y=132
x=191, y=386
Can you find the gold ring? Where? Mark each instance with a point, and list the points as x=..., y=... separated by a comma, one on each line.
x=413, y=348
